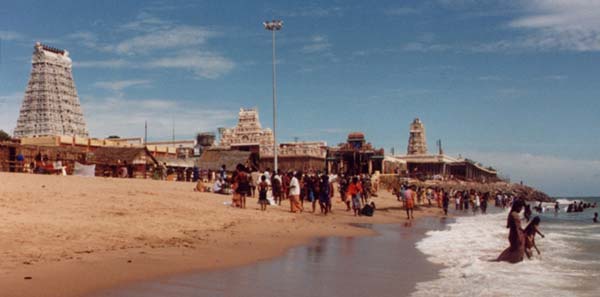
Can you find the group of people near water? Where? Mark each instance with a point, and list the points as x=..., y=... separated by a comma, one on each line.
x=303, y=190
x=440, y=197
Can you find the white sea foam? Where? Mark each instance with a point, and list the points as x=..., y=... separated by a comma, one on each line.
x=467, y=247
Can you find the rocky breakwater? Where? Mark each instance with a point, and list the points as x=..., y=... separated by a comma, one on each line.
x=528, y=193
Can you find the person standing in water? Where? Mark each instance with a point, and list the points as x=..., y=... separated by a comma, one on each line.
x=595, y=217
x=515, y=252
x=445, y=201
x=530, y=231
x=410, y=202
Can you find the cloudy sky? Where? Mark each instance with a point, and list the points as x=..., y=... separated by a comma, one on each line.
x=512, y=84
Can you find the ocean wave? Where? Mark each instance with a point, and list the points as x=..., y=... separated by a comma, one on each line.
x=468, y=246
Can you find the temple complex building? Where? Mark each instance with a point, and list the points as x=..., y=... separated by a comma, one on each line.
x=249, y=135
x=50, y=106
x=417, y=144
x=422, y=165
x=356, y=156
x=298, y=156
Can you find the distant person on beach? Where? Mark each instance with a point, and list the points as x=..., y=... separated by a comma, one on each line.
x=276, y=188
x=484, y=202
x=556, y=207
x=243, y=184
x=595, y=217
x=410, y=202
x=263, y=188
x=445, y=201
x=515, y=252
x=457, y=204
x=527, y=213
x=325, y=193
x=295, y=205
x=530, y=231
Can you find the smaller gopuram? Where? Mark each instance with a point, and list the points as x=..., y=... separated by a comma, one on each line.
x=248, y=135
x=356, y=156
x=417, y=144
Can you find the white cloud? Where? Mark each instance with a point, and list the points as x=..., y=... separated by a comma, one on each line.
x=126, y=116
x=87, y=39
x=555, y=175
x=561, y=24
x=203, y=64
x=10, y=35
x=317, y=43
x=173, y=38
x=9, y=110
x=117, y=86
x=110, y=63
x=145, y=22
x=311, y=11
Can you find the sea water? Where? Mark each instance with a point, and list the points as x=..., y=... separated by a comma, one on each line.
x=569, y=264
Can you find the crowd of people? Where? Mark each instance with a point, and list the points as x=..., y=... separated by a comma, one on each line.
x=312, y=192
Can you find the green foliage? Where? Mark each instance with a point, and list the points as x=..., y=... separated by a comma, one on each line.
x=4, y=136
x=113, y=137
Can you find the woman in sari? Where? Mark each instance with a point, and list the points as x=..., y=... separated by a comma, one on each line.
x=515, y=252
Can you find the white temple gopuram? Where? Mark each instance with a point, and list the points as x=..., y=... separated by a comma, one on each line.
x=248, y=134
x=50, y=106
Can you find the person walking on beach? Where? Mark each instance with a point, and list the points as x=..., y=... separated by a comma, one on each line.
x=354, y=191
x=410, y=202
x=515, y=252
x=276, y=188
x=295, y=205
x=325, y=191
x=263, y=188
x=243, y=184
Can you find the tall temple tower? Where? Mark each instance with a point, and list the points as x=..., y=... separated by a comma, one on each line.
x=417, y=145
x=51, y=105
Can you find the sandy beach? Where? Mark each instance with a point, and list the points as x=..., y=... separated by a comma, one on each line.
x=71, y=236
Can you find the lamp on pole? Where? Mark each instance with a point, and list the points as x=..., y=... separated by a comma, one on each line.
x=274, y=25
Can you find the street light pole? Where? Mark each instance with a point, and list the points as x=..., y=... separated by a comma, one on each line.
x=274, y=25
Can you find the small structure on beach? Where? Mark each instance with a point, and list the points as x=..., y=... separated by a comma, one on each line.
x=213, y=159
x=51, y=105
x=139, y=161
x=356, y=156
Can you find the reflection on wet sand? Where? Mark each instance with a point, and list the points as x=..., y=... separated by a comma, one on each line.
x=385, y=265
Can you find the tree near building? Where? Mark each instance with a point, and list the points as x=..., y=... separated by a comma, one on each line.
x=4, y=136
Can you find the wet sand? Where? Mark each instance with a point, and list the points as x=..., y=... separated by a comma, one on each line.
x=387, y=264
x=71, y=236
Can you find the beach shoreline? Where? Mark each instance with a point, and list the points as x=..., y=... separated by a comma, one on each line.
x=74, y=236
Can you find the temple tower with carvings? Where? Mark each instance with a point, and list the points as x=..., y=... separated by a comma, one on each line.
x=50, y=106
x=417, y=144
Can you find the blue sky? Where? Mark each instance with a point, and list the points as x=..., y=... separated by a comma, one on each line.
x=512, y=84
